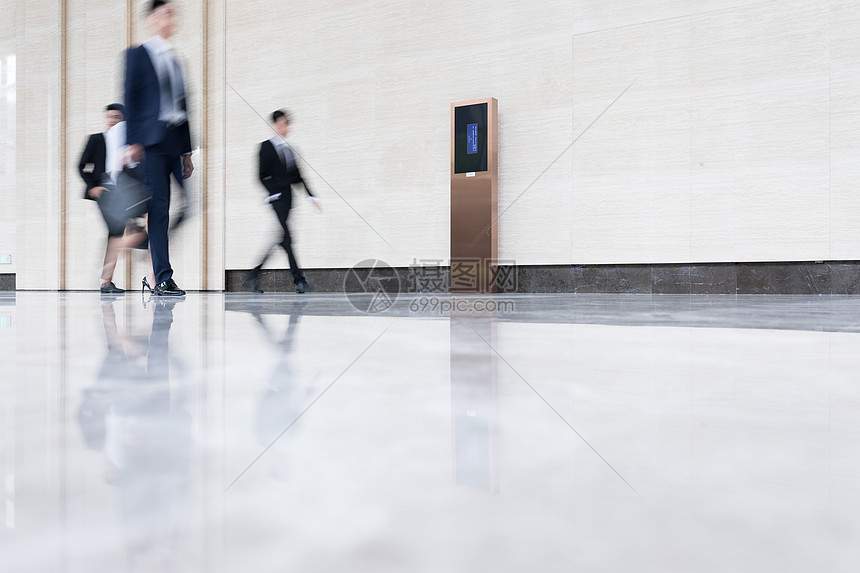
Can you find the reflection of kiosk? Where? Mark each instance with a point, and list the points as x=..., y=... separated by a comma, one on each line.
x=474, y=188
x=474, y=405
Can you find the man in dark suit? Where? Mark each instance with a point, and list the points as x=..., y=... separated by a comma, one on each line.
x=92, y=168
x=157, y=131
x=278, y=173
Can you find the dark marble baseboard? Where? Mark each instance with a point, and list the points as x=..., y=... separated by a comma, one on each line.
x=7, y=281
x=836, y=278
x=280, y=280
x=828, y=278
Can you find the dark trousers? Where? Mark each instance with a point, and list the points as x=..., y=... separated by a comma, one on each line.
x=282, y=210
x=162, y=160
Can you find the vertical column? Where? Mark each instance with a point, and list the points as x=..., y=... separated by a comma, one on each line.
x=204, y=133
x=62, y=151
x=39, y=118
x=213, y=144
x=8, y=145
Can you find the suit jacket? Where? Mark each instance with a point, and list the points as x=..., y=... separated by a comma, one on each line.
x=275, y=176
x=143, y=103
x=92, y=163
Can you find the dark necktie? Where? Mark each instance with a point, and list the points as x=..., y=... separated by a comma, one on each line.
x=172, y=88
x=167, y=88
x=286, y=156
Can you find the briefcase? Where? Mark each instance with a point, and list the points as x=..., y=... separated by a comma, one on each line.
x=126, y=199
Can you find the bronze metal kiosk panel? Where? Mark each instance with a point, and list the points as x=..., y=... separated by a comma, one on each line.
x=474, y=195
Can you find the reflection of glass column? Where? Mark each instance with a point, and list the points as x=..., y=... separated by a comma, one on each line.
x=7, y=446
x=474, y=403
x=7, y=415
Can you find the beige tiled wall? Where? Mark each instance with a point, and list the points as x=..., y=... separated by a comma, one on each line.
x=722, y=149
x=736, y=140
x=760, y=133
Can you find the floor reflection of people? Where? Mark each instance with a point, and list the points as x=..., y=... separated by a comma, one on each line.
x=283, y=398
x=144, y=432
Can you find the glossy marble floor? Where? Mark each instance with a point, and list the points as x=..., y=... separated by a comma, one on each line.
x=258, y=433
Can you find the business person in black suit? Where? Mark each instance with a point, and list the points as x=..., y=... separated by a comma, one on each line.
x=278, y=173
x=157, y=131
x=92, y=167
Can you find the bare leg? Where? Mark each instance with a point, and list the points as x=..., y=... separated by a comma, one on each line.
x=111, y=254
x=133, y=239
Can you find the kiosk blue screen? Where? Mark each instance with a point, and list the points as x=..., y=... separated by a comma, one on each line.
x=472, y=138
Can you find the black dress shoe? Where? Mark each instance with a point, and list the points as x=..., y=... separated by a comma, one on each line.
x=302, y=286
x=179, y=219
x=252, y=280
x=111, y=288
x=167, y=288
